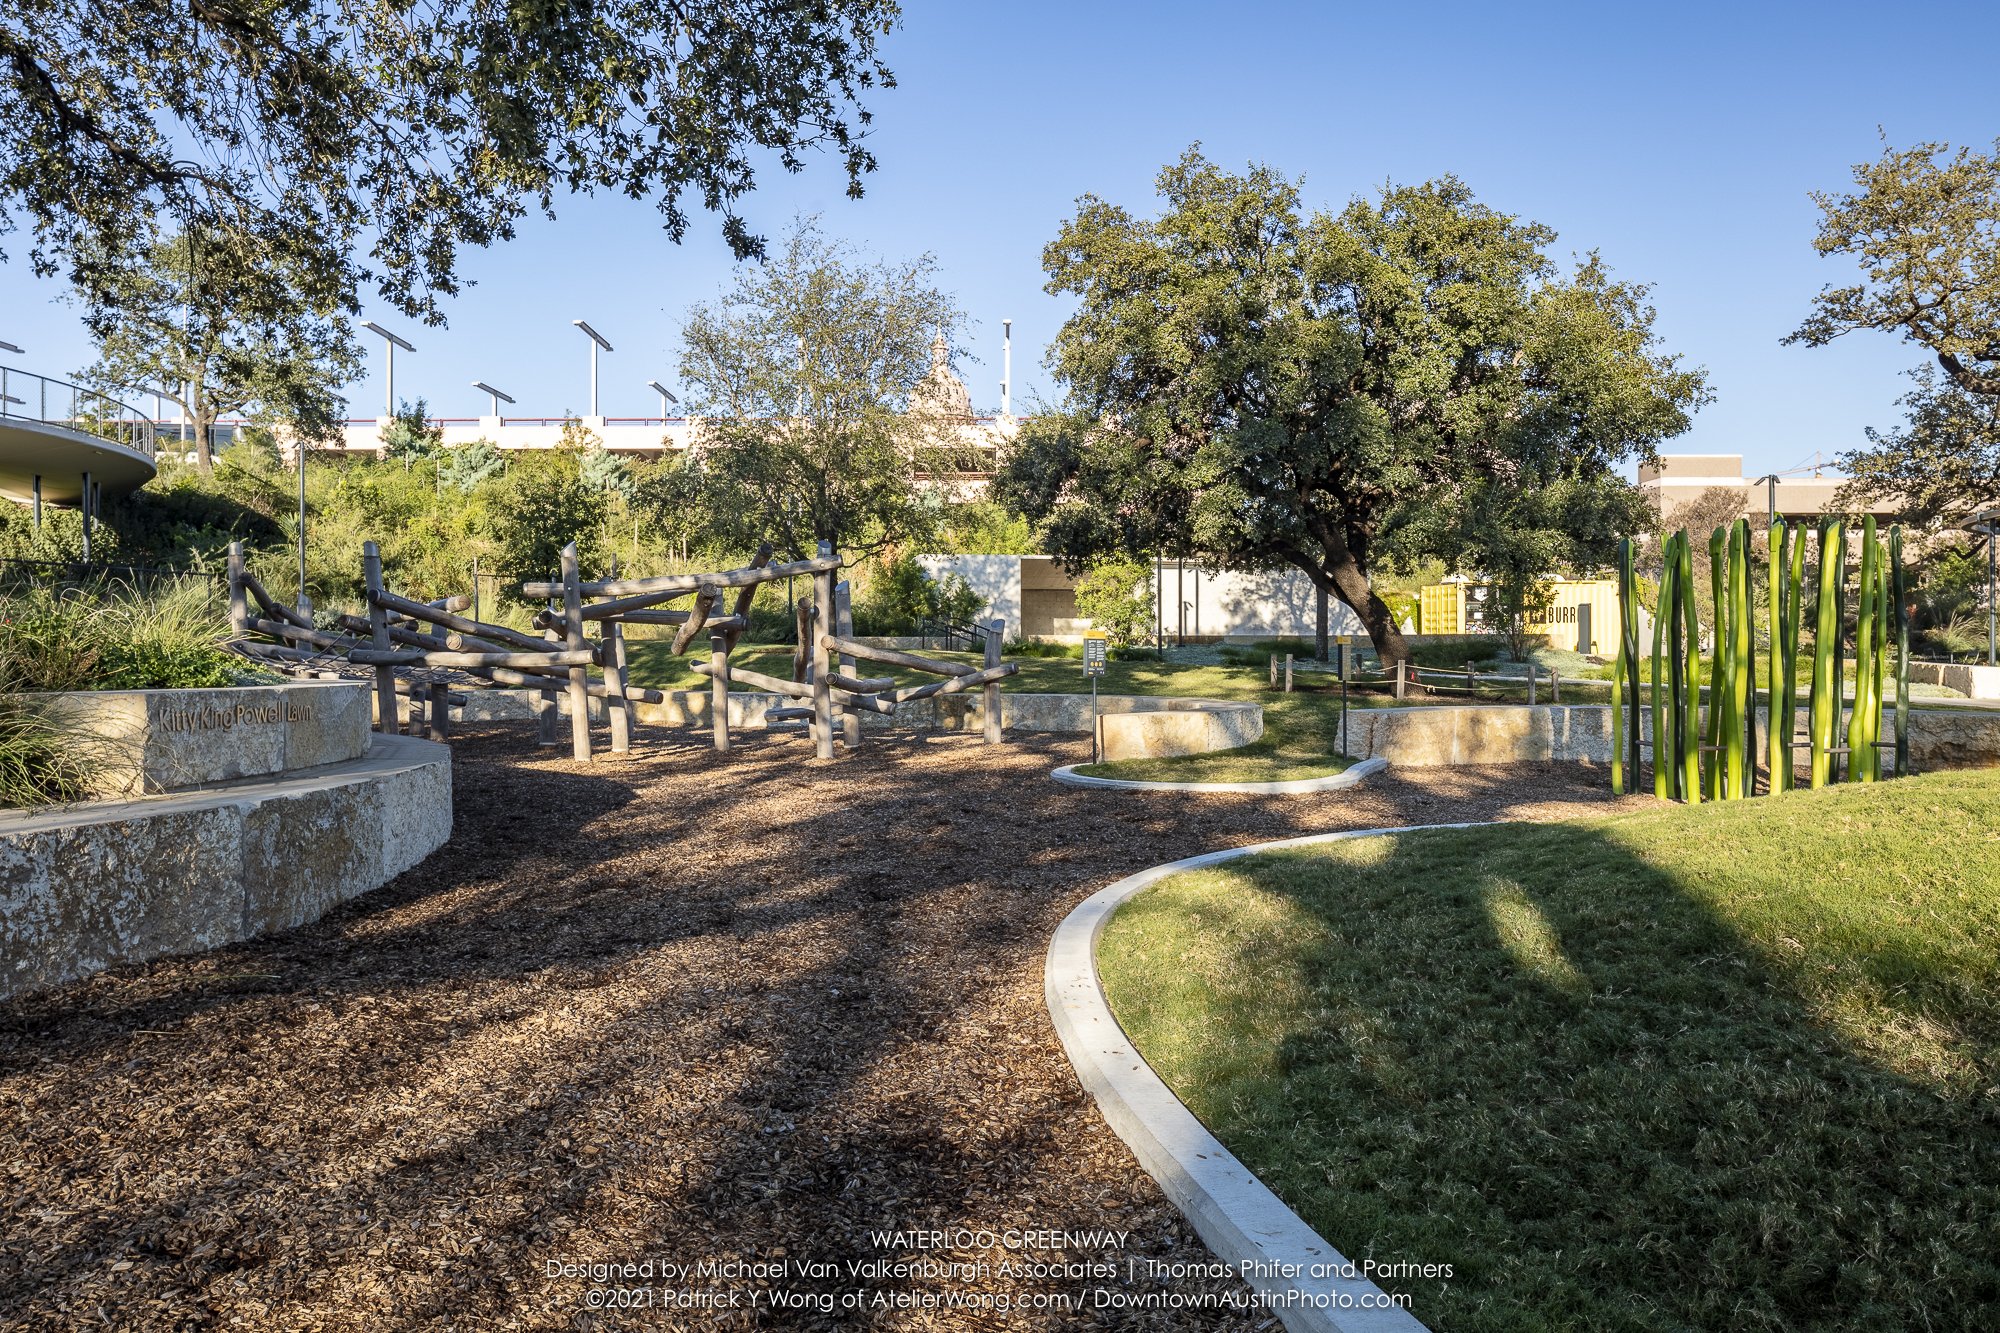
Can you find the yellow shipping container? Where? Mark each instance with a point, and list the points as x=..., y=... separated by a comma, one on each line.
x=1466, y=608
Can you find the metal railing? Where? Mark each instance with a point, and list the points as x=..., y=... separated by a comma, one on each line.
x=950, y=635
x=26, y=396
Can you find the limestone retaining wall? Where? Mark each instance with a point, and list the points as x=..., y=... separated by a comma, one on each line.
x=84, y=887
x=1135, y=726
x=140, y=742
x=1502, y=734
x=1974, y=682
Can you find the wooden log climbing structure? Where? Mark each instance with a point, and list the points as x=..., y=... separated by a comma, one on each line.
x=426, y=654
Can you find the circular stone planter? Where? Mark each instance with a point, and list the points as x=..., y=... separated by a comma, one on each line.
x=1069, y=777
x=233, y=812
x=145, y=742
x=1236, y=1214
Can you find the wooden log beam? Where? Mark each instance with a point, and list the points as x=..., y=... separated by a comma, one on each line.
x=451, y=642
x=280, y=629
x=990, y=706
x=748, y=594
x=822, y=660
x=428, y=657
x=792, y=689
x=619, y=608
x=276, y=651
x=861, y=684
x=378, y=620
x=843, y=625
x=611, y=657
x=518, y=679
x=389, y=601
x=802, y=640
x=789, y=689
x=855, y=648
x=670, y=618
x=273, y=608
x=687, y=583
x=718, y=687
x=911, y=693
x=579, y=676
x=704, y=602
x=794, y=714
x=239, y=605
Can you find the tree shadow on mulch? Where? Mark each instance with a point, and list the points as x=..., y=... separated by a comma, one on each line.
x=677, y=1005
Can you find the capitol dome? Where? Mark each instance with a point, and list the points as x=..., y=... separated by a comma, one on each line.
x=941, y=390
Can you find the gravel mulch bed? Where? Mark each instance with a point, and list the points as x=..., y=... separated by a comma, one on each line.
x=675, y=1008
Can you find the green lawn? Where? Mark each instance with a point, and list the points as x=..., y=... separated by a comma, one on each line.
x=1730, y=1066
x=1301, y=730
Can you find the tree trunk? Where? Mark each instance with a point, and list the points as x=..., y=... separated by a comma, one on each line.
x=1342, y=577
x=203, y=415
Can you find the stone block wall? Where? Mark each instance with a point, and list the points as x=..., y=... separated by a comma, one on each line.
x=84, y=887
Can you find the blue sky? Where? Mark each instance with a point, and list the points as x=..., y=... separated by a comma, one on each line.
x=1681, y=141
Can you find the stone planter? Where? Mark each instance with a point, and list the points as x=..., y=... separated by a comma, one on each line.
x=145, y=742
x=234, y=812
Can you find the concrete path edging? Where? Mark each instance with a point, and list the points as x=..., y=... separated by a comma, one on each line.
x=1069, y=777
x=1236, y=1214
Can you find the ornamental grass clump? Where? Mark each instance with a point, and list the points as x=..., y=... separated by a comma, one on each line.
x=172, y=637
x=66, y=641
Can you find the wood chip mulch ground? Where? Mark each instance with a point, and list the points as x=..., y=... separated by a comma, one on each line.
x=671, y=1009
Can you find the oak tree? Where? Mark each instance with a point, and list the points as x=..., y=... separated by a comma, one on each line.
x=367, y=143
x=1410, y=377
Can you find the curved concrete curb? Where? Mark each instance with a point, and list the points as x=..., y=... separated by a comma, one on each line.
x=1069, y=777
x=1235, y=1213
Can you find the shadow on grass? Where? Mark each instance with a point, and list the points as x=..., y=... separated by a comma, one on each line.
x=677, y=1005
x=1728, y=1067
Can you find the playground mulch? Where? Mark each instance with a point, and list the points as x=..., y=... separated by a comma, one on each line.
x=674, y=1008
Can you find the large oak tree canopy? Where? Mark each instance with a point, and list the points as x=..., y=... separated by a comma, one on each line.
x=1924, y=225
x=309, y=125
x=1254, y=386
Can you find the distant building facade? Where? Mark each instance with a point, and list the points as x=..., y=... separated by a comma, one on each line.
x=1679, y=483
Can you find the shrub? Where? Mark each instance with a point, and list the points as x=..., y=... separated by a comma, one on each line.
x=1117, y=596
x=98, y=639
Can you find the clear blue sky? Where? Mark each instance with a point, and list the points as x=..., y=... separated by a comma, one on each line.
x=1681, y=141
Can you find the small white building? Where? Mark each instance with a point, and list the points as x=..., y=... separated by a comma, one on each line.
x=1037, y=599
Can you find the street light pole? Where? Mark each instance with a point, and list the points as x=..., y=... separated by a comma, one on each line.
x=305, y=603
x=596, y=341
x=1770, y=497
x=390, y=342
x=665, y=397
x=494, y=397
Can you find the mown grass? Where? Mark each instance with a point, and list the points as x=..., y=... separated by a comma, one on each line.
x=1729, y=1066
x=1301, y=730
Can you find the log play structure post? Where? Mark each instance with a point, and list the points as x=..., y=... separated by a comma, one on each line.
x=400, y=634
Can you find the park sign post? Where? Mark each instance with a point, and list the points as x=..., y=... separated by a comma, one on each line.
x=1095, y=651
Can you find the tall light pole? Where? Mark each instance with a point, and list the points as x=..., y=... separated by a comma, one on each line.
x=666, y=397
x=1006, y=367
x=596, y=341
x=305, y=602
x=390, y=342
x=494, y=396
x=1770, y=497
x=9, y=347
